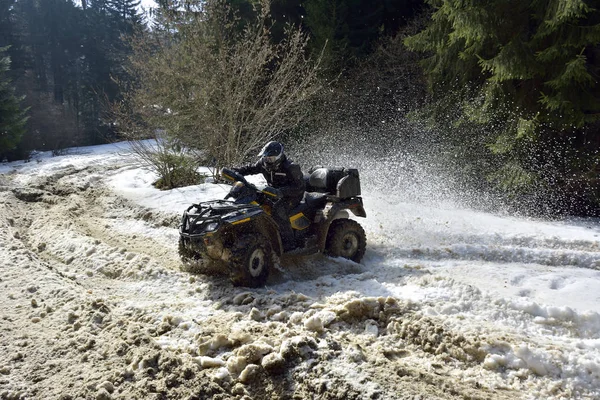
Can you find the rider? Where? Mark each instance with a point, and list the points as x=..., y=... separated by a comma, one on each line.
x=286, y=182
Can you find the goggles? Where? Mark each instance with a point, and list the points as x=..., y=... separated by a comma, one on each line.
x=270, y=159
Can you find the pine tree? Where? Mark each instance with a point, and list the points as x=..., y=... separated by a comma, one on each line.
x=126, y=15
x=65, y=63
x=541, y=56
x=326, y=21
x=49, y=39
x=528, y=70
x=107, y=23
x=349, y=29
x=11, y=35
x=12, y=117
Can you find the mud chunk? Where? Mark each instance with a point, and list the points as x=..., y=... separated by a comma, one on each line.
x=238, y=336
x=110, y=388
x=11, y=395
x=298, y=346
x=256, y=315
x=222, y=374
x=209, y=362
x=254, y=352
x=355, y=353
x=236, y=365
x=98, y=318
x=367, y=307
x=296, y=317
x=239, y=390
x=281, y=316
x=249, y=373
x=273, y=310
x=273, y=363
x=215, y=343
x=103, y=394
x=243, y=298
x=314, y=324
x=72, y=317
x=29, y=195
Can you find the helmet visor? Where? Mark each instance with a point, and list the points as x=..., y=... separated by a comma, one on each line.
x=270, y=159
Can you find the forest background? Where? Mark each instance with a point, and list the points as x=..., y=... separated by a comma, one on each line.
x=502, y=95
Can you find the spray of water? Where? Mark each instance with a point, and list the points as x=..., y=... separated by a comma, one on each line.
x=401, y=161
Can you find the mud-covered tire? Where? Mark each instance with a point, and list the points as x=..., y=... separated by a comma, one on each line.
x=252, y=259
x=193, y=262
x=185, y=254
x=347, y=239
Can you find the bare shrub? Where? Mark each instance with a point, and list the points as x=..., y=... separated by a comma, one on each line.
x=175, y=165
x=217, y=87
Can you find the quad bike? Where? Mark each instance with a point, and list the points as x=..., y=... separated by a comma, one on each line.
x=242, y=237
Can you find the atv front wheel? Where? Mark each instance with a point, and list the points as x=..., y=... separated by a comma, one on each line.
x=251, y=261
x=347, y=239
x=188, y=257
x=193, y=262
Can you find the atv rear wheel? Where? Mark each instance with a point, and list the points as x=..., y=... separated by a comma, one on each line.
x=251, y=260
x=347, y=239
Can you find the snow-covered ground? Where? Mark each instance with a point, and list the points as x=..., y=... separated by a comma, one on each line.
x=448, y=302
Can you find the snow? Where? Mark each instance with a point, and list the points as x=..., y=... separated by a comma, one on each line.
x=526, y=290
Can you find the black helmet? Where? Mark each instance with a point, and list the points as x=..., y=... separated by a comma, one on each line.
x=271, y=155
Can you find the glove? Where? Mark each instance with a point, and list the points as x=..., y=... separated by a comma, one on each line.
x=224, y=175
x=274, y=194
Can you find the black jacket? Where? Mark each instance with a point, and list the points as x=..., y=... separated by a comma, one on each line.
x=288, y=178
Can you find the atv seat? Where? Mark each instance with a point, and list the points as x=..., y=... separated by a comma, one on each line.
x=310, y=203
x=339, y=182
x=315, y=200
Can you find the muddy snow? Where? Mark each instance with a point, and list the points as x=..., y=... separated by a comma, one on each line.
x=447, y=304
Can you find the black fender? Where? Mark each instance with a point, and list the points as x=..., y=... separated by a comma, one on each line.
x=355, y=204
x=269, y=229
x=340, y=210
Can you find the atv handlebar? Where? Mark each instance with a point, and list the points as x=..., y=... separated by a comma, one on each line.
x=232, y=176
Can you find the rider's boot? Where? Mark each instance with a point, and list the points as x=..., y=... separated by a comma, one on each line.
x=287, y=237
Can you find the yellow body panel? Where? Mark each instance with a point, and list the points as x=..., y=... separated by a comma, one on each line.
x=299, y=221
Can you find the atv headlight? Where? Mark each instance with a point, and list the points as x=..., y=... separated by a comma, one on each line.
x=211, y=227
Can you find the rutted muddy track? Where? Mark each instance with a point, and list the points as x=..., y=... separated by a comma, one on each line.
x=60, y=328
x=92, y=311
